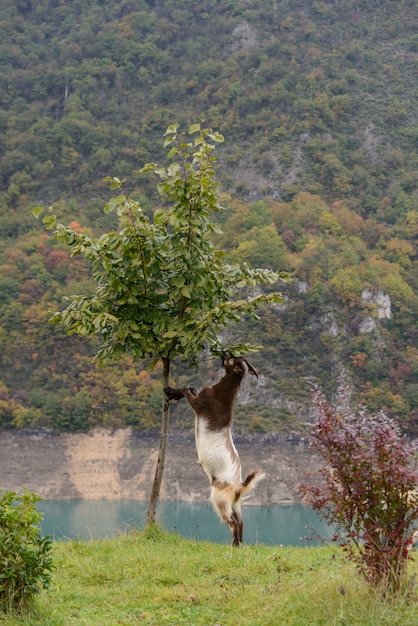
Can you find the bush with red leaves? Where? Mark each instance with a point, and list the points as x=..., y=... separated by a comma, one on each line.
x=368, y=492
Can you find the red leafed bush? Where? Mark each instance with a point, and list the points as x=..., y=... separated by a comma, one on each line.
x=368, y=492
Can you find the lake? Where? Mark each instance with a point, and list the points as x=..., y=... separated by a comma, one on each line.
x=93, y=519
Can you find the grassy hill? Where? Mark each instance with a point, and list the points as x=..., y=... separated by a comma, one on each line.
x=317, y=103
x=153, y=577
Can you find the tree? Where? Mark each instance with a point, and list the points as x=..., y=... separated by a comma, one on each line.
x=162, y=289
x=261, y=245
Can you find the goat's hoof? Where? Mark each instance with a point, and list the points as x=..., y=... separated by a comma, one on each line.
x=236, y=542
x=173, y=394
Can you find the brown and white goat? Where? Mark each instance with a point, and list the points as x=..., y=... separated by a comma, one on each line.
x=216, y=452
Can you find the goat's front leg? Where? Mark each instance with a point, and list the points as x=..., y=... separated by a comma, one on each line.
x=177, y=394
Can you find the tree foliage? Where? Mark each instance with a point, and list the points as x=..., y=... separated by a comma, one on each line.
x=162, y=289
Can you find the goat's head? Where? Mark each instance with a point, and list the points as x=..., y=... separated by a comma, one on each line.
x=237, y=364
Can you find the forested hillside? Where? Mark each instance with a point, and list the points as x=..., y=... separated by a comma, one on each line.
x=319, y=173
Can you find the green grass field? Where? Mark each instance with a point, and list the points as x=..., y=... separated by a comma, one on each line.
x=154, y=577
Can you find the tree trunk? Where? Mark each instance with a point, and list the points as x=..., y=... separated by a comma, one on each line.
x=156, y=485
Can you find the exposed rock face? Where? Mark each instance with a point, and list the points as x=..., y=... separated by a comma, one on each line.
x=105, y=464
x=244, y=37
x=380, y=301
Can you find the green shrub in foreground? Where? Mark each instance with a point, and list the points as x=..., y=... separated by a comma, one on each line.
x=25, y=556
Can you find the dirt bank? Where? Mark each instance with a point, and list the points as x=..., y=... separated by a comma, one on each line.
x=105, y=464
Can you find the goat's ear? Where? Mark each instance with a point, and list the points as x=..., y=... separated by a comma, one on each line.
x=226, y=356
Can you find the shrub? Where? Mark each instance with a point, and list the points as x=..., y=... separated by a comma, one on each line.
x=25, y=559
x=368, y=492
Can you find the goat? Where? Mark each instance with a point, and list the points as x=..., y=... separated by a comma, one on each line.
x=216, y=452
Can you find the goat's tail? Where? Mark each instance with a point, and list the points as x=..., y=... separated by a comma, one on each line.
x=250, y=482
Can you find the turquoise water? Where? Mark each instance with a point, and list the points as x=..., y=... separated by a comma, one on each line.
x=91, y=519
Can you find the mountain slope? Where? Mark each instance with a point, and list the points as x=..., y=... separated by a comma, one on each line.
x=317, y=103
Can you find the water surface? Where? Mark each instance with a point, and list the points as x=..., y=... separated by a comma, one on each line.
x=92, y=519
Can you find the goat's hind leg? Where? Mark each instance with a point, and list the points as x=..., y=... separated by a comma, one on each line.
x=222, y=503
x=237, y=516
x=237, y=528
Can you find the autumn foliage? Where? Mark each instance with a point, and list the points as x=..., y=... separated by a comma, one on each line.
x=368, y=489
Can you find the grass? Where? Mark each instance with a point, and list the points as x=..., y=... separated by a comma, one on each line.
x=154, y=577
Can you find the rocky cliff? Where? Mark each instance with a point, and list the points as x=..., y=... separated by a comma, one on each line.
x=105, y=464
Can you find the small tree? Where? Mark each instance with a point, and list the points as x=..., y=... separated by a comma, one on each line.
x=162, y=289
x=368, y=493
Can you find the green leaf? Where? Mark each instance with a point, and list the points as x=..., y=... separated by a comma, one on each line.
x=172, y=129
x=217, y=137
x=174, y=221
x=114, y=244
x=110, y=206
x=148, y=167
x=194, y=128
x=168, y=141
x=185, y=291
x=173, y=169
x=115, y=183
x=37, y=211
x=160, y=216
x=163, y=188
x=49, y=221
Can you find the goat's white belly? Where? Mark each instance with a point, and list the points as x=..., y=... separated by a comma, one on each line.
x=217, y=454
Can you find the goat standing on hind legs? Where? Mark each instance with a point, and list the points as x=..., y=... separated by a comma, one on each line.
x=216, y=453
